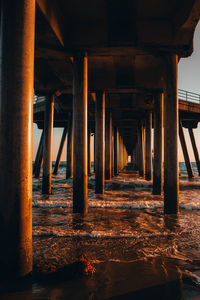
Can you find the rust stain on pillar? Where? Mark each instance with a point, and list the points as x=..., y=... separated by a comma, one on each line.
x=80, y=128
x=100, y=143
x=16, y=101
x=171, y=179
x=47, y=146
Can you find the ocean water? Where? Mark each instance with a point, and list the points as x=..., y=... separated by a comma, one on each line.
x=137, y=251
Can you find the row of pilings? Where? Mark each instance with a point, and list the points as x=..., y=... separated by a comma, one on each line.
x=16, y=119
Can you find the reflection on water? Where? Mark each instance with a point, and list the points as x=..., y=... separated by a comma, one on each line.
x=137, y=251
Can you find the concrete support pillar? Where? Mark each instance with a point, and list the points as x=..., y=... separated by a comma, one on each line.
x=80, y=128
x=158, y=145
x=116, y=154
x=148, y=146
x=47, y=146
x=185, y=151
x=69, y=169
x=39, y=158
x=141, y=165
x=196, y=154
x=112, y=152
x=40, y=147
x=89, y=151
x=62, y=142
x=100, y=143
x=108, y=145
x=16, y=106
x=171, y=178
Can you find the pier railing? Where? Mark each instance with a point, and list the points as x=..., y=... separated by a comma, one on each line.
x=182, y=95
x=188, y=96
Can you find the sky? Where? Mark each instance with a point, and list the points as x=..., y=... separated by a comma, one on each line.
x=188, y=79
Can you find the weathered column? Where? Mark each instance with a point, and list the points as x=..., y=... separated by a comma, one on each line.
x=141, y=166
x=39, y=158
x=69, y=168
x=185, y=152
x=112, y=153
x=116, y=154
x=16, y=106
x=158, y=145
x=38, y=167
x=80, y=117
x=40, y=149
x=62, y=142
x=100, y=143
x=108, y=145
x=148, y=144
x=196, y=154
x=171, y=179
x=89, y=151
x=47, y=146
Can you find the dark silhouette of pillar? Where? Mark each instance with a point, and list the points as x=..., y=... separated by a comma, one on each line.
x=39, y=159
x=171, y=179
x=116, y=154
x=47, y=146
x=100, y=143
x=112, y=152
x=158, y=145
x=108, y=144
x=196, y=154
x=141, y=165
x=16, y=106
x=80, y=117
x=40, y=147
x=89, y=151
x=69, y=165
x=185, y=152
x=62, y=142
x=148, y=144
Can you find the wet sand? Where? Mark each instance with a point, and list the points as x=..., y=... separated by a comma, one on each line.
x=137, y=251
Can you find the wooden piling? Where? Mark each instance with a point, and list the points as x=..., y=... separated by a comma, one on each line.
x=148, y=146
